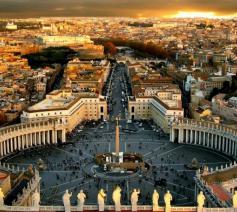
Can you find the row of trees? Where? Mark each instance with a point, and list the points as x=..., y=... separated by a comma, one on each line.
x=229, y=90
x=50, y=56
x=151, y=49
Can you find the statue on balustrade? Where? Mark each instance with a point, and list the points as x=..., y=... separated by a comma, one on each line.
x=36, y=199
x=168, y=198
x=66, y=201
x=81, y=200
x=201, y=199
x=155, y=200
x=234, y=199
x=1, y=197
x=134, y=199
x=101, y=199
x=116, y=196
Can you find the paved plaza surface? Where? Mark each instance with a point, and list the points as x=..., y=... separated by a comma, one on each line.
x=66, y=164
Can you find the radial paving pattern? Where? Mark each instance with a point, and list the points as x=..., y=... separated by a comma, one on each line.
x=66, y=165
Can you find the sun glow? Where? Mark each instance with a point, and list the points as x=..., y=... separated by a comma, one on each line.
x=182, y=14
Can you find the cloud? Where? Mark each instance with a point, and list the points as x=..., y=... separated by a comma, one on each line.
x=36, y=8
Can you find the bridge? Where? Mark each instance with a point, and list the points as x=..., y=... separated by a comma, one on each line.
x=132, y=60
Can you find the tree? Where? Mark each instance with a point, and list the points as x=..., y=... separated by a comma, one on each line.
x=110, y=48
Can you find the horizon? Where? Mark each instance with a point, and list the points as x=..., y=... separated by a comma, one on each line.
x=124, y=8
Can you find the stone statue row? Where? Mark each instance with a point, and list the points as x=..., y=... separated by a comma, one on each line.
x=116, y=197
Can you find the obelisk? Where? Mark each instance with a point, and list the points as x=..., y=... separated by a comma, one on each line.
x=117, y=138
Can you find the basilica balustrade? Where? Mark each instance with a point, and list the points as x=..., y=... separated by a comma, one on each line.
x=26, y=135
x=214, y=136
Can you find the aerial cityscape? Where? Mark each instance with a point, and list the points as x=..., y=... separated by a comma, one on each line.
x=126, y=105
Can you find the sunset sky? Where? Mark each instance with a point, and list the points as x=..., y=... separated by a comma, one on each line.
x=131, y=8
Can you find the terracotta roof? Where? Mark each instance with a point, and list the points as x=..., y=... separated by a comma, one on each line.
x=220, y=192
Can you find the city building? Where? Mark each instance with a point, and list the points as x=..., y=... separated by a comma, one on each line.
x=87, y=75
x=71, y=108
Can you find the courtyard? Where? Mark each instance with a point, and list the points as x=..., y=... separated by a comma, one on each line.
x=65, y=165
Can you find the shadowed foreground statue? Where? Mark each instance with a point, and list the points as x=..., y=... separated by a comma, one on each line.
x=1, y=197
x=155, y=200
x=101, y=199
x=134, y=199
x=168, y=198
x=234, y=200
x=116, y=196
x=81, y=200
x=36, y=199
x=66, y=201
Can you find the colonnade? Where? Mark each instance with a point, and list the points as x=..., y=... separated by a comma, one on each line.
x=207, y=134
x=26, y=135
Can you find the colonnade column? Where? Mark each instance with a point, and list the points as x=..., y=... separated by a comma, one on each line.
x=187, y=137
x=200, y=141
x=233, y=148
x=27, y=140
x=209, y=143
x=53, y=136
x=35, y=139
x=216, y=142
x=43, y=140
x=191, y=136
x=4, y=148
x=1, y=148
x=11, y=146
x=63, y=136
x=226, y=145
x=39, y=138
x=195, y=137
x=23, y=141
x=19, y=142
x=8, y=149
x=204, y=139
x=31, y=139
x=48, y=137
x=56, y=136
x=181, y=135
x=171, y=134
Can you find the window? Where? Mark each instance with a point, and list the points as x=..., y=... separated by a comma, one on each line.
x=133, y=110
x=101, y=109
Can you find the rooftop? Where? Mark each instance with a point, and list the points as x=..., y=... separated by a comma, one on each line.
x=59, y=100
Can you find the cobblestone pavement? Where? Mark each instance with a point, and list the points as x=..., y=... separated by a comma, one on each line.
x=65, y=165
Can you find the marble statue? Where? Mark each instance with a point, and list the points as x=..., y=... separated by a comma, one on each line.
x=66, y=201
x=155, y=200
x=101, y=199
x=1, y=197
x=81, y=200
x=168, y=198
x=35, y=199
x=134, y=199
x=116, y=196
x=201, y=199
x=234, y=200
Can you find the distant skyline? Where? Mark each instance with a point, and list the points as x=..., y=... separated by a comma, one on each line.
x=127, y=8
